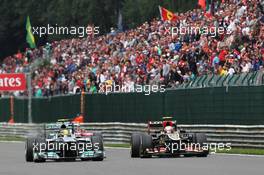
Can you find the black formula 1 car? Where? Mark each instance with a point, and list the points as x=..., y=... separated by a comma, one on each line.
x=165, y=139
x=66, y=141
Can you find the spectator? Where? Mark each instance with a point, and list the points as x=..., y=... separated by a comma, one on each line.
x=149, y=54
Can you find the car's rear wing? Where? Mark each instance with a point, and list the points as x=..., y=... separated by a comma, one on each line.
x=155, y=123
x=57, y=125
x=161, y=123
x=156, y=126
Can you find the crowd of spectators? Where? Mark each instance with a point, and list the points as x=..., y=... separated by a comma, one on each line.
x=150, y=55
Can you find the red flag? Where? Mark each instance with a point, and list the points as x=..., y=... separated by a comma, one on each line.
x=208, y=15
x=167, y=15
x=202, y=3
x=78, y=119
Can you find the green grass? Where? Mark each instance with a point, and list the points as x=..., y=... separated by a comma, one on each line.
x=118, y=145
x=250, y=151
x=13, y=138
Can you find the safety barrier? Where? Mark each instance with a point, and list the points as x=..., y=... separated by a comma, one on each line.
x=241, y=105
x=238, y=135
x=209, y=99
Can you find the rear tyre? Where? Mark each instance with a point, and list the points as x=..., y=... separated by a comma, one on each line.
x=193, y=136
x=98, y=134
x=135, y=145
x=29, y=145
x=201, y=139
x=97, y=141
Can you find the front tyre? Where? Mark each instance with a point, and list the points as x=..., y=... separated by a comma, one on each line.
x=146, y=143
x=40, y=142
x=29, y=146
x=135, y=145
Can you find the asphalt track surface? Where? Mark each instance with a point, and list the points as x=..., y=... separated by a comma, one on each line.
x=118, y=162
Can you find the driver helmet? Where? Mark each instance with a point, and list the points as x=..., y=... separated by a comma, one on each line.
x=168, y=129
x=64, y=131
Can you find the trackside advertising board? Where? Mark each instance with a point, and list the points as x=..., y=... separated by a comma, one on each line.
x=12, y=82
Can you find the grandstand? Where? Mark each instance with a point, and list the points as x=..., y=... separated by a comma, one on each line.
x=150, y=55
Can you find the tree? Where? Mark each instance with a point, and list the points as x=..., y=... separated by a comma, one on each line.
x=77, y=13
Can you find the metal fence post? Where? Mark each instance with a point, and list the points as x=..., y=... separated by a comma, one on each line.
x=29, y=97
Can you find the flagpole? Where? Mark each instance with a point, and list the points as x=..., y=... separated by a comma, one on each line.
x=160, y=13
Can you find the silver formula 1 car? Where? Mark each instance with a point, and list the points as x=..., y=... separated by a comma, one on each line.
x=164, y=138
x=66, y=141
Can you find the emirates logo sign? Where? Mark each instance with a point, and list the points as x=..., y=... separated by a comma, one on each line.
x=12, y=82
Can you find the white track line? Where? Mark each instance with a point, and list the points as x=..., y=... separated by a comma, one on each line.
x=3, y=141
